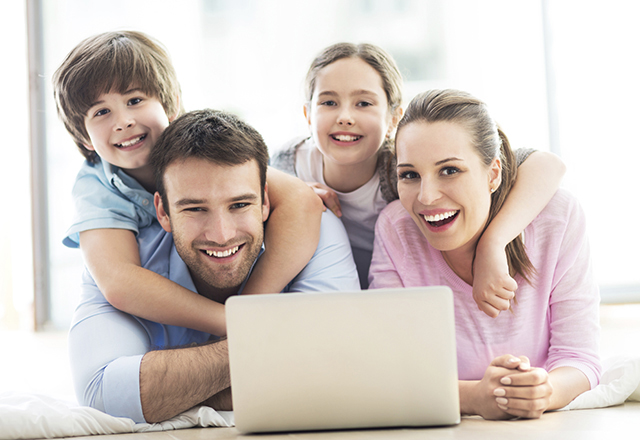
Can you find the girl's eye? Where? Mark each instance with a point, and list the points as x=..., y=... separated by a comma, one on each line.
x=328, y=103
x=364, y=104
x=408, y=175
x=134, y=101
x=449, y=171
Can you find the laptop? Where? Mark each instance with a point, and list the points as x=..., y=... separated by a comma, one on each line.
x=343, y=360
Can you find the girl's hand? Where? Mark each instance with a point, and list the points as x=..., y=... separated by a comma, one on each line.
x=526, y=394
x=328, y=196
x=493, y=287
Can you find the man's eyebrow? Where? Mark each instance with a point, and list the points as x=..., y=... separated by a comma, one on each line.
x=186, y=202
x=241, y=197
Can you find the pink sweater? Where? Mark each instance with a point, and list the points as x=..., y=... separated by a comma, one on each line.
x=555, y=323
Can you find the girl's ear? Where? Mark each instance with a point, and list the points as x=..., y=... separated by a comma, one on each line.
x=495, y=174
x=395, y=119
x=89, y=147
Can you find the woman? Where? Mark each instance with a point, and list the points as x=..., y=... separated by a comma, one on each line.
x=455, y=169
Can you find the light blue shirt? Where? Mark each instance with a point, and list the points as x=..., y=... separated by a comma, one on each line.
x=106, y=197
x=106, y=345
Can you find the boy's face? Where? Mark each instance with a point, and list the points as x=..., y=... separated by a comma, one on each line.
x=123, y=127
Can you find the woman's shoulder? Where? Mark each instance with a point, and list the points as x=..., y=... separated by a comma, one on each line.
x=562, y=207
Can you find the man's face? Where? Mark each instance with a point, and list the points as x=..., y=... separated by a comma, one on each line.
x=216, y=215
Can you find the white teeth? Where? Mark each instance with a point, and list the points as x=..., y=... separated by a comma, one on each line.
x=222, y=254
x=131, y=142
x=439, y=217
x=346, y=138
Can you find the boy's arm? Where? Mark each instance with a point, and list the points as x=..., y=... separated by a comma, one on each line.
x=537, y=181
x=113, y=259
x=291, y=233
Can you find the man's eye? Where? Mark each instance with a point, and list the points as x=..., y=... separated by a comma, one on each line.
x=239, y=205
x=408, y=175
x=194, y=209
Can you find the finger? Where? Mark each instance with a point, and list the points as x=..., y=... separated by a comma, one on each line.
x=525, y=364
x=535, y=376
x=523, y=414
x=333, y=204
x=499, y=303
x=488, y=309
x=506, y=361
x=528, y=393
x=523, y=407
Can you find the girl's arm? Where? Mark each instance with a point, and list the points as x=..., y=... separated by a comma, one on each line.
x=291, y=233
x=537, y=181
x=113, y=259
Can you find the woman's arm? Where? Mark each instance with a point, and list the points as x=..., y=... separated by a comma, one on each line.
x=291, y=233
x=113, y=259
x=537, y=181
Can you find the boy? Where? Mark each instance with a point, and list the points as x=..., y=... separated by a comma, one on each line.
x=115, y=93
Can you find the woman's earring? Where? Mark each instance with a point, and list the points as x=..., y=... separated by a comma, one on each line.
x=493, y=190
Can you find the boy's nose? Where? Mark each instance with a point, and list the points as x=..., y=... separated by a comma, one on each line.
x=124, y=121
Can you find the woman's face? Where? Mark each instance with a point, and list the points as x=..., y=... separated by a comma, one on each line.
x=443, y=183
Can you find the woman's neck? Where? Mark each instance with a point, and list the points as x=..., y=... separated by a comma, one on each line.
x=347, y=178
x=461, y=261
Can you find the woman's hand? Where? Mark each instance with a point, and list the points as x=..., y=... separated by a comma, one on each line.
x=525, y=394
x=493, y=287
x=328, y=196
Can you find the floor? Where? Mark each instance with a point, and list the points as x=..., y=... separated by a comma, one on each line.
x=37, y=362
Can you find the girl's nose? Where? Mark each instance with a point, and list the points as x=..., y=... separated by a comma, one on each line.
x=345, y=118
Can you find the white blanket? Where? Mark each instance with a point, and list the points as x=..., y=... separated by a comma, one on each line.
x=28, y=416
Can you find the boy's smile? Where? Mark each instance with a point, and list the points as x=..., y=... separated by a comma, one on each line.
x=123, y=127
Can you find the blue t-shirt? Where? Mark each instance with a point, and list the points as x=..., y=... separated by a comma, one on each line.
x=107, y=198
x=106, y=345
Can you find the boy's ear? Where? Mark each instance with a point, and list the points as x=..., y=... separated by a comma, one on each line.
x=266, y=206
x=163, y=216
x=172, y=118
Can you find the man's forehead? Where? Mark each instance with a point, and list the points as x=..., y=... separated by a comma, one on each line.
x=204, y=180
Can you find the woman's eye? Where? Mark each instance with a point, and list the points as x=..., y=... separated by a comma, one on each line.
x=408, y=175
x=448, y=171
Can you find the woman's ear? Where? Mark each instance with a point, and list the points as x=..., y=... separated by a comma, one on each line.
x=307, y=113
x=161, y=213
x=495, y=174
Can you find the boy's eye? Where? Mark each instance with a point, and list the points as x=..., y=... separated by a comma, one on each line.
x=408, y=175
x=449, y=171
x=101, y=112
x=134, y=101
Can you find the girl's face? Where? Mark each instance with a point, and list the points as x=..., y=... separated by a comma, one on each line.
x=443, y=183
x=349, y=113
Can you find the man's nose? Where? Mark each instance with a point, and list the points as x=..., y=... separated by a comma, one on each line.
x=220, y=229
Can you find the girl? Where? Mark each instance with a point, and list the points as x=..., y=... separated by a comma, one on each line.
x=353, y=104
x=455, y=170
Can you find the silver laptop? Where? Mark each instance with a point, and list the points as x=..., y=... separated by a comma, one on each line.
x=319, y=361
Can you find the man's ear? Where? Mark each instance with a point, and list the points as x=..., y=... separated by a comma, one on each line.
x=266, y=206
x=163, y=216
x=495, y=174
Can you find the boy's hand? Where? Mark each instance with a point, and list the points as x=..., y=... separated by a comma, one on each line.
x=328, y=196
x=493, y=287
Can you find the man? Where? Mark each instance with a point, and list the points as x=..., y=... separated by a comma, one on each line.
x=212, y=202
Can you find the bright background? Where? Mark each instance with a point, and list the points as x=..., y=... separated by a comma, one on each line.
x=560, y=76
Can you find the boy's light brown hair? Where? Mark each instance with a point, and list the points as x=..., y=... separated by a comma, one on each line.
x=112, y=62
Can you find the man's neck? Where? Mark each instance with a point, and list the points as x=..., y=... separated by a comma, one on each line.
x=217, y=295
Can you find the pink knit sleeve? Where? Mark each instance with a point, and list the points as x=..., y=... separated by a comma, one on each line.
x=383, y=272
x=575, y=299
